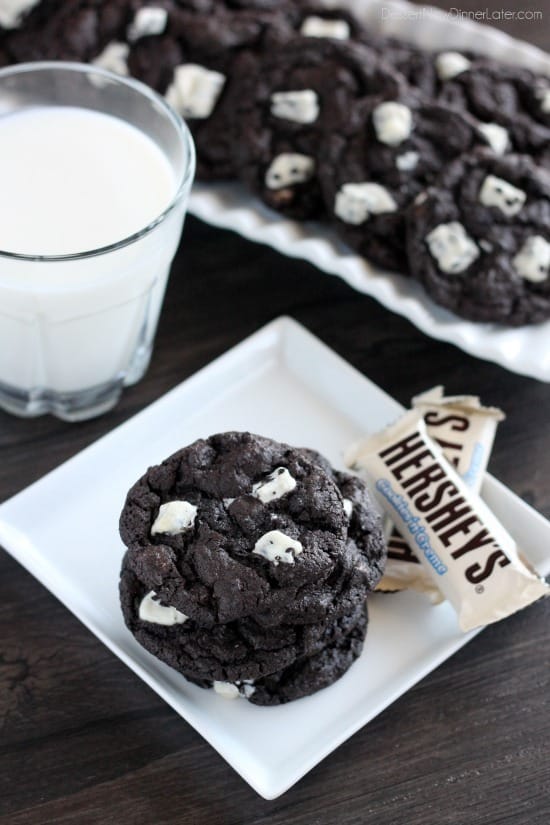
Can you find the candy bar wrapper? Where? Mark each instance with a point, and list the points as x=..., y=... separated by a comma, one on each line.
x=469, y=555
x=465, y=431
x=403, y=569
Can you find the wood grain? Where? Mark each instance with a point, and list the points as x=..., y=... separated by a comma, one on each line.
x=83, y=740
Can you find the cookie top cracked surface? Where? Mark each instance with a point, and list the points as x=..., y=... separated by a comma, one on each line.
x=305, y=88
x=479, y=240
x=514, y=97
x=239, y=525
x=238, y=650
x=194, y=60
x=66, y=31
x=371, y=175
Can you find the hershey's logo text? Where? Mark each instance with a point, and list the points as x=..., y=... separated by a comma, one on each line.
x=457, y=423
x=445, y=509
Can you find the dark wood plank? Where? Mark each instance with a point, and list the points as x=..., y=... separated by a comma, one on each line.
x=84, y=741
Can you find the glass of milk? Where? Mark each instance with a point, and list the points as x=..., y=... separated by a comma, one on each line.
x=95, y=173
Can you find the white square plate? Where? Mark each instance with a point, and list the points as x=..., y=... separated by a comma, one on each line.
x=281, y=382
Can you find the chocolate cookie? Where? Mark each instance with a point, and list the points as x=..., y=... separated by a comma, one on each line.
x=313, y=673
x=317, y=20
x=371, y=175
x=214, y=40
x=303, y=677
x=14, y=15
x=79, y=30
x=304, y=89
x=241, y=508
x=515, y=98
x=235, y=651
x=248, y=564
x=363, y=519
x=511, y=104
x=191, y=58
x=425, y=70
x=479, y=240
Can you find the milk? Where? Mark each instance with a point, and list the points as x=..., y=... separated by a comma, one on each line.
x=75, y=180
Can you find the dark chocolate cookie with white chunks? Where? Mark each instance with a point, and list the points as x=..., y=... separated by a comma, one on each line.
x=371, y=176
x=479, y=240
x=238, y=525
x=204, y=97
x=303, y=677
x=511, y=97
x=191, y=58
x=364, y=522
x=312, y=673
x=415, y=64
x=79, y=30
x=305, y=88
x=509, y=102
x=427, y=70
x=13, y=15
x=236, y=651
x=318, y=20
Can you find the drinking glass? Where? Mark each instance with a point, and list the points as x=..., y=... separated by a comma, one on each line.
x=75, y=329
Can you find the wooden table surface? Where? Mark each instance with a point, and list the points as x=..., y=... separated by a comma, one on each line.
x=83, y=740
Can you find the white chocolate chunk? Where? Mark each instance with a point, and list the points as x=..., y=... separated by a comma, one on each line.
x=348, y=507
x=12, y=12
x=194, y=90
x=452, y=247
x=355, y=202
x=226, y=689
x=543, y=94
x=392, y=122
x=114, y=58
x=150, y=610
x=301, y=106
x=148, y=21
x=277, y=484
x=314, y=26
x=235, y=690
x=451, y=64
x=533, y=259
x=288, y=169
x=174, y=517
x=498, y=192
x=407, y=161
x=276, y=547
x=496, y=136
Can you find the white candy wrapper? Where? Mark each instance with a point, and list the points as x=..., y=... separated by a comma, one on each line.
x=403, y=569
x=465, y=431
x=463, y=428
x=469, y=555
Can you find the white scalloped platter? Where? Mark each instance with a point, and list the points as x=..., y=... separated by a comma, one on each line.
x=525, y=350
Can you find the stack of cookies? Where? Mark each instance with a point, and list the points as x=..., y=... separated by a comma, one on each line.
x=322, y=117
x=247, y=566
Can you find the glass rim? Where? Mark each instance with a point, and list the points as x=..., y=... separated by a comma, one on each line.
x=179, y=124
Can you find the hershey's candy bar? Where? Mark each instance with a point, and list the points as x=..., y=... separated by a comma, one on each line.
x=465, y=431
x=471, y=558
